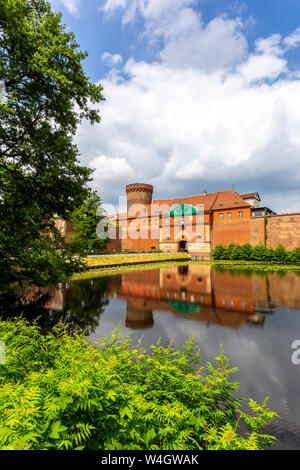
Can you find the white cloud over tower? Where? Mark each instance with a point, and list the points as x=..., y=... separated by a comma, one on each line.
x=207, y=113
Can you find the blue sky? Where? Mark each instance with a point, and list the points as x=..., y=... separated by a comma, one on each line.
x=200, y=95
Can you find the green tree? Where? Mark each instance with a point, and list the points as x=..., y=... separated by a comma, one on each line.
x=46, y=95
x=84, y=222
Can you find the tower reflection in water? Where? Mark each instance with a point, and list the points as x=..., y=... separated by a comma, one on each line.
x=196, y=292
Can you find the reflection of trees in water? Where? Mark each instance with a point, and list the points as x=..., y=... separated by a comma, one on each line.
x=12, y=304
x=82, y=304
x=86, y=301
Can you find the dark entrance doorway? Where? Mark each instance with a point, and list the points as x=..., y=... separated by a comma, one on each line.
x=183, y=246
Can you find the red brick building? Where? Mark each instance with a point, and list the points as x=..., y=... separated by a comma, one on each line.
x=195, y=224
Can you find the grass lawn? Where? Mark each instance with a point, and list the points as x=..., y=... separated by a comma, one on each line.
x=92, y=273
x=111, y=260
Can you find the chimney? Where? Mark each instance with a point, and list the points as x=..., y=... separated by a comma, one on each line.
x=204, y=193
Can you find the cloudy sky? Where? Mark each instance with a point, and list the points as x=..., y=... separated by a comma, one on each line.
x=200, y=95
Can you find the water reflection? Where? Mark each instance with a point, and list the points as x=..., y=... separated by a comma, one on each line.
x=254, y=315
x=79, y=304
x=195, y=291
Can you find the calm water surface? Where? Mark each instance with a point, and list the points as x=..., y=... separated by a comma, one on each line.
x=255, y=316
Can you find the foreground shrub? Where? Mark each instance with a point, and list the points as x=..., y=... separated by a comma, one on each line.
x=60, y=392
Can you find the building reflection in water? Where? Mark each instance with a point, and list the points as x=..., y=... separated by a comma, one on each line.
x=195, y=291
x=203, y=294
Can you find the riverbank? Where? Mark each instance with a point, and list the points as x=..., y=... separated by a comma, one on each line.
x=140, y=265
x=107, y=261
x=252, y=265
x=105, y=265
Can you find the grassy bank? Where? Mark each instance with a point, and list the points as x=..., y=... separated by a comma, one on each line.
x=253, y=265
x=92, y=273
x=111, y=260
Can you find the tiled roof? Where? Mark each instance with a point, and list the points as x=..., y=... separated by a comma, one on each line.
x=212, y=201
x=249, y=195
x=221, y=200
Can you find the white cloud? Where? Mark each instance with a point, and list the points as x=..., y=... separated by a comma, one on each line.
x=110, y=172
x=111, y=59
x=149, y=9
x=270, y=45
x=217, y=45
x=205, y=115
x=72, y=6
x=293, y=40
x=264, y=66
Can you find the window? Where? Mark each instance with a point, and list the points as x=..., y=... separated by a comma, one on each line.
x=130, y=223
x=229, y=215
x=156, y=221
x=241, y=214
x=221, y=216
x=167, y=220
x=145, y=222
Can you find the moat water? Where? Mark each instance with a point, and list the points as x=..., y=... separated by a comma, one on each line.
x=256, y=316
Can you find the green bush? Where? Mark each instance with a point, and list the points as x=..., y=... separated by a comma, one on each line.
x=256, y=253
x=59, y=392
x=219, y=253
x=246, y=251
x=260, y=253
x=294, y=256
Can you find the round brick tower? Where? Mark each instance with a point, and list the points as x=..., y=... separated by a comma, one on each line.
x=138, y=193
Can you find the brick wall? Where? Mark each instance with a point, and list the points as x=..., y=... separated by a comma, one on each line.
x=284, y=230
x=281, y=230
x=257, y=235
x=233, y=230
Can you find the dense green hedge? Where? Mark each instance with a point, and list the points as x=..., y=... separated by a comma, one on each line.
x=256, y=253
x=59, y=392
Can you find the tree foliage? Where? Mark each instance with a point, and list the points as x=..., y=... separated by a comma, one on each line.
x=84, y=221
x=57, y=391
x=46, y=95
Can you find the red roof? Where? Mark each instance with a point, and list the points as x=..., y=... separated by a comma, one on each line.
x=250, y=195
x=212, y=201
x=221, y=200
